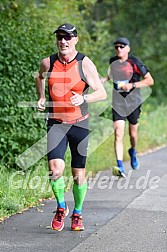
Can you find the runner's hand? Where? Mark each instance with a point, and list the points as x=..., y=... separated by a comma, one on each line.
x=41, y=104
x=76, y=99
x=125, y=86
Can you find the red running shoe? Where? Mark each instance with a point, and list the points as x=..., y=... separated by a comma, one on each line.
x=58, y=221
x=76, y=222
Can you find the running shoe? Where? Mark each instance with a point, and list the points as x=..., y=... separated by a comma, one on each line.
x=76, y=222
x=58, y=221
x=133, y=159
x=118, y=172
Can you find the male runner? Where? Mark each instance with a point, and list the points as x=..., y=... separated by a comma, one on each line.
x=70, y=74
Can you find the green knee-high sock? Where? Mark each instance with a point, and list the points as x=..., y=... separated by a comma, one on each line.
x=79, y=192
x=58, y=190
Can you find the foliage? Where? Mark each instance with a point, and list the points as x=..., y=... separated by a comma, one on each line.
x=19, y=58
x=26, y=35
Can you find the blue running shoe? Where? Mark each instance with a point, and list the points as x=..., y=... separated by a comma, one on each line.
x=118, y=172
x=134, y=160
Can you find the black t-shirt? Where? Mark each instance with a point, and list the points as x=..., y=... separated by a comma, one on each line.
x=138, y=68
x=128, y=71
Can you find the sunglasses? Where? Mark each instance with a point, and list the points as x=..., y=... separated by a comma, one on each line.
x=67, y=37
x=121, y=46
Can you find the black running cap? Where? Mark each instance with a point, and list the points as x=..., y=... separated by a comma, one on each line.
x=123, y=41
x=68, y=28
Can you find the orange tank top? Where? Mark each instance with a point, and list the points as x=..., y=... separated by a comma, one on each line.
x=62, y=80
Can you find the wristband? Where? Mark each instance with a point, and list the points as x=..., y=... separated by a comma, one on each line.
x=133, y=85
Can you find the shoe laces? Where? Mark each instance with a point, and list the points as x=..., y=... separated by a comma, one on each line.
x=59, y=214
x=76, y=218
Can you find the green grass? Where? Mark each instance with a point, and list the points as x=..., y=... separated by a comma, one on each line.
x=152, y=133
x=22, y=189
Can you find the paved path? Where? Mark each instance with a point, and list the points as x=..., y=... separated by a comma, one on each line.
x=120, y=215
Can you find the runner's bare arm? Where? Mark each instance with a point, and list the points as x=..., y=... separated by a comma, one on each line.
x=40, y=83
x=145, y=82
x=93, y=80
x=104, y=79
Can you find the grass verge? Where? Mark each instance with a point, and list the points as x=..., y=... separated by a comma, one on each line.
x=22, y=189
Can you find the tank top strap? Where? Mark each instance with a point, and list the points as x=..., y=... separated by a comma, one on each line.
x=53, y=58
x=79, y=58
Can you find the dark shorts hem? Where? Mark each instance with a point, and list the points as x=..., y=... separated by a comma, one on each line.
x=132, y=118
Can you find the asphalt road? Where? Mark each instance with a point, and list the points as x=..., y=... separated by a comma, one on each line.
x=120, y=215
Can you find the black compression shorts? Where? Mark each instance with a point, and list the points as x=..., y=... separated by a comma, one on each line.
x=60, y=135
x=132, y=118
